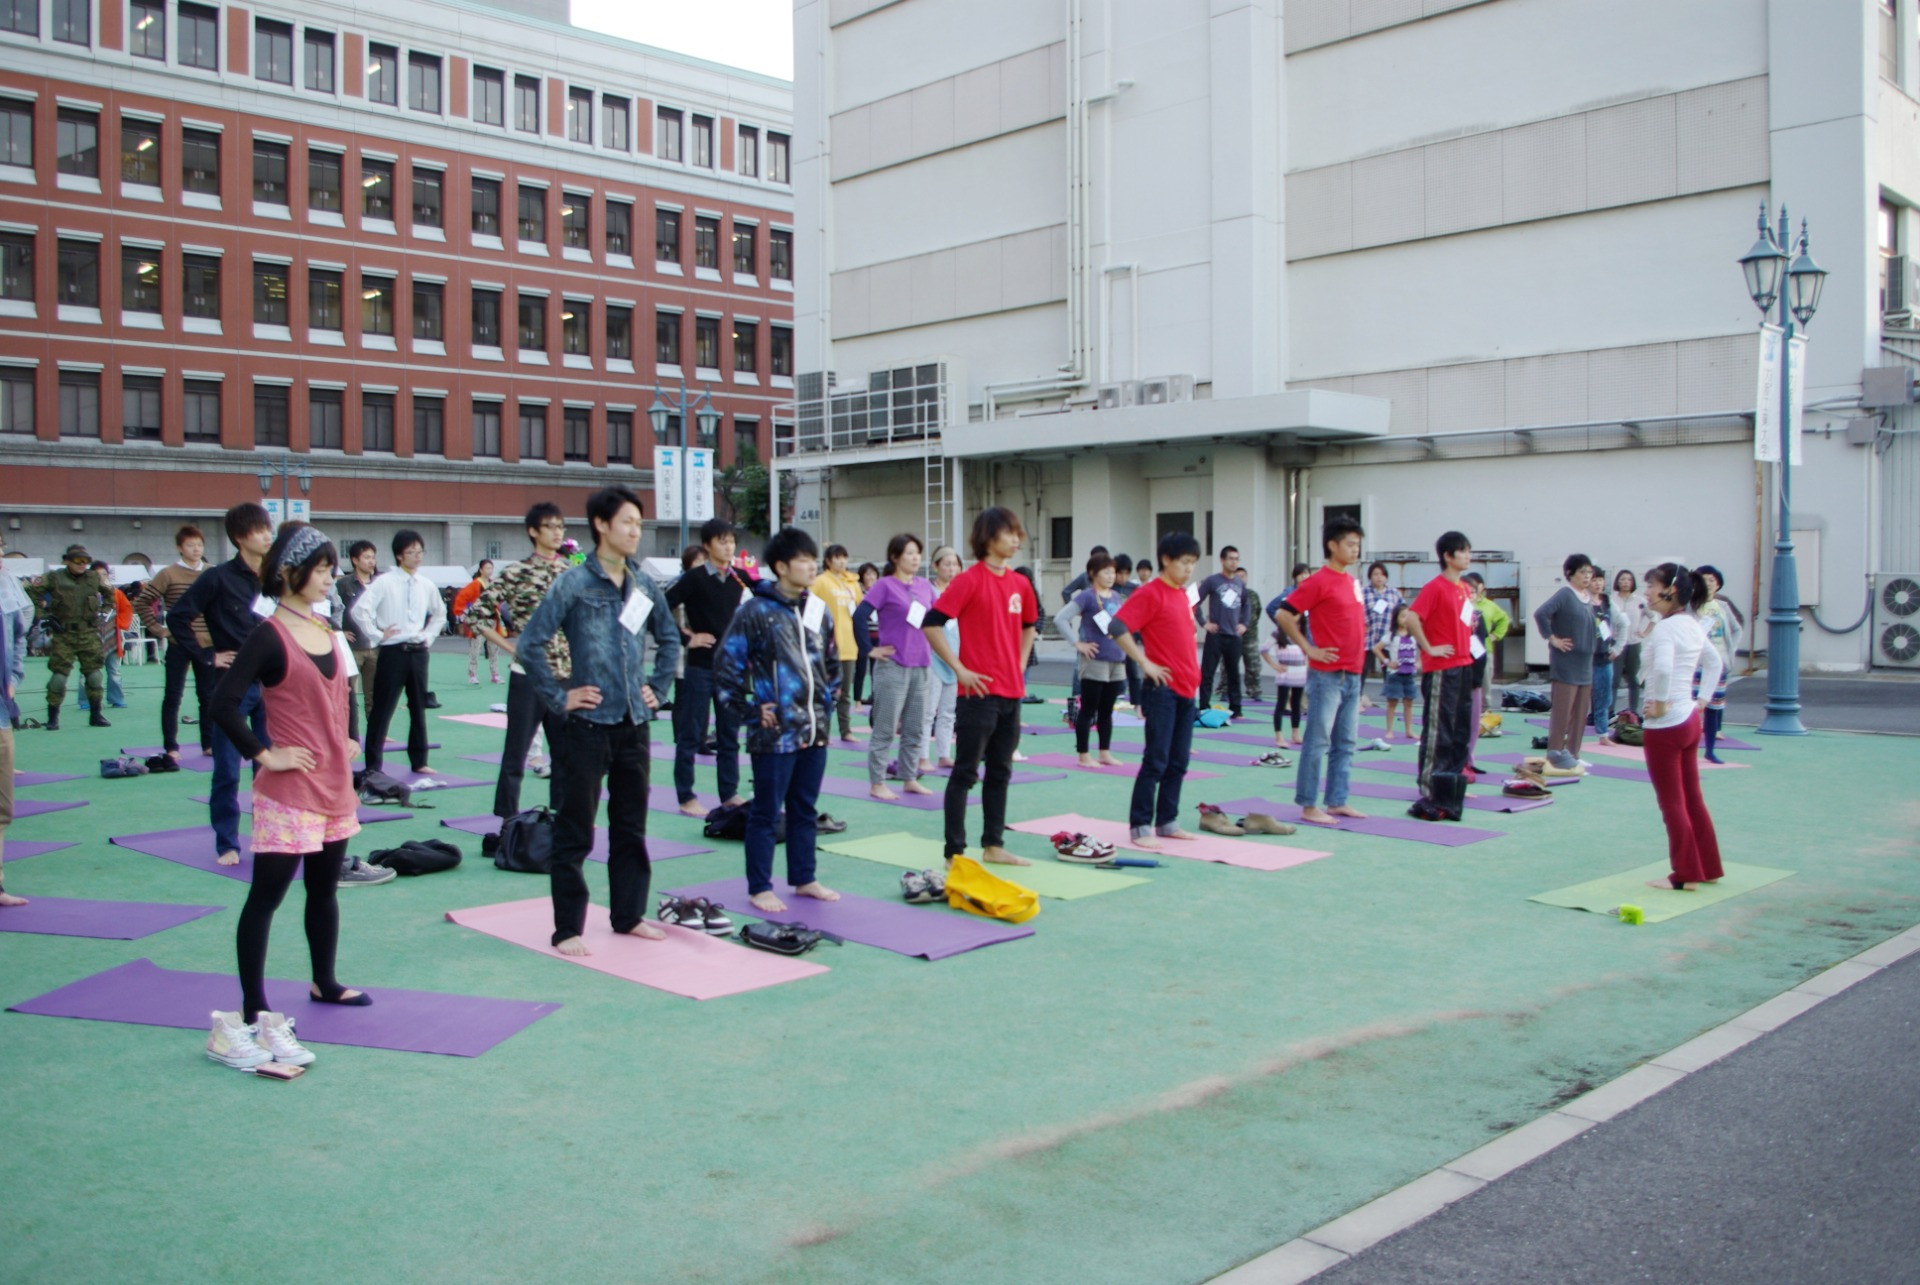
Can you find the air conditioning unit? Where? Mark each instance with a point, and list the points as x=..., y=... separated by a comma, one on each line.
x=1115, y=396
x=1896, y=621
x=1166, y=388
x=1902, y=290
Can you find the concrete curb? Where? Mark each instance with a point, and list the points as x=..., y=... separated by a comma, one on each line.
x=1333, y=1243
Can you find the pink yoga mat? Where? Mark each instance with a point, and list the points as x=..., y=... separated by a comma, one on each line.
x=1446, y=834
x=478, y=720
x=1261, y=854
x=657, y=849
x=109, y=920
x=141, y=993
x=1129, y=770
x=686, y=963
x=920, y=932
x=22, y=780
x=23, y=808
x=18, y=850
x=365, y=814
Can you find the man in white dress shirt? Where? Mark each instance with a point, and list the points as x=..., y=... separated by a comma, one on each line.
x=404, y=611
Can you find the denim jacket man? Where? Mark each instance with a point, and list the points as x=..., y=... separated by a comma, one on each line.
x=585, y=605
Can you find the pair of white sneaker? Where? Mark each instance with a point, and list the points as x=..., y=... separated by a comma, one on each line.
x=245, y=1047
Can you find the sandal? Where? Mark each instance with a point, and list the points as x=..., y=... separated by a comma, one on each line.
x=361, y=1000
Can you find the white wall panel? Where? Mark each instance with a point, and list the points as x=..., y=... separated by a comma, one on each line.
x=908, y=45
x=940, y=202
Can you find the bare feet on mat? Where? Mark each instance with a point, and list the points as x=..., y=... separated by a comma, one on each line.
x=926, y=766
x=1179, y=834
x=573, y=946
x=425, y=771
x=1317, y=816
x=648, y=931
x=914, y=787
x=1348, y=810
x=883, y=793
x=1108, y=760
x=1001, y=857
x=946, y=763
x=8, y=899
x=1085, y=760
x=692, y=808
x=1018, y=757
x=817, y=890
x=768, y=902
x=736, y=802
x=1147, y=841
x=227, y=859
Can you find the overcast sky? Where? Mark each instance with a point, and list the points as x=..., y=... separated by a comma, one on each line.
x=754, y=34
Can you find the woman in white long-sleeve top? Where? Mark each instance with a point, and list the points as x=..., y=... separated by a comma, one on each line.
x=1671, y=719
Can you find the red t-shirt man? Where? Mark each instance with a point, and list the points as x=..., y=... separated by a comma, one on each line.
x=1331, y=599
x=1445, y=608
x=1163, y=617
x=992, y=608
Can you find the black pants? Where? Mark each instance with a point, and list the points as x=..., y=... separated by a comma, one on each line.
x=1222, y=650
x=1096, y=706
x=272, y=876
x=178, y=663
x=1446, y=732
x=984, y=728
x=401, y=667
x=526, y=713
x=1286, y=700
x=587, y=755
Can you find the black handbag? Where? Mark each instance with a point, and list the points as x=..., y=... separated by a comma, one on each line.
x=526, y=842
x=783, y=939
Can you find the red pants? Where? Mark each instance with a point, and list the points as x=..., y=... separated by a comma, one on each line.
x=1673, y=759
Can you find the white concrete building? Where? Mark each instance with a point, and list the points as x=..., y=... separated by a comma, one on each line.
x=1449, y=263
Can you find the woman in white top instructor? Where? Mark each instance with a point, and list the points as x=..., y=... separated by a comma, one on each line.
x=1671, y=721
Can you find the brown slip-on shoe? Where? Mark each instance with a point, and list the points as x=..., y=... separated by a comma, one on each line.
x=1261, y=823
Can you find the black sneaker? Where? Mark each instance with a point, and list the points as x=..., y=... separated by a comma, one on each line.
x=713, y=916
x=684, y=912
x=826, y=824
x=97, y=719
x=162, y=763
x=489, y=845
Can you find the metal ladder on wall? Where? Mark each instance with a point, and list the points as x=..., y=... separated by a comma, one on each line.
x=936, y=499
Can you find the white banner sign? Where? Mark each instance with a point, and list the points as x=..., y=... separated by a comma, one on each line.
x=1796, y=396
x=699, y=484
x=278, y=511
x=666, y=483
x=1766, y=398
x=668, y=464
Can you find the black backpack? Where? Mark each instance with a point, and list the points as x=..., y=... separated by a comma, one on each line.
x=728, y=821
x=526, y=842
x=418, y=857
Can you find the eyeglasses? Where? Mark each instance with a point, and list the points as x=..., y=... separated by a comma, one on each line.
x=553, y=526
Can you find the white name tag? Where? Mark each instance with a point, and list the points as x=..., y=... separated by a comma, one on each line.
x=1380, y=607
x=345, y=653
x=916, y=613
x=1606, y=629
x=814, y=612
x=1103, y=621
x=1466, y=613
x=263, y=606
x=1474, y=647
x=746, y=596
x=1193, y=596
x=1229, y=597
x=635, y=613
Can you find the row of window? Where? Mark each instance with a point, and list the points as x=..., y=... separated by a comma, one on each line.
x=143, y=401
x=77, y=286
x=77, y=156
x=679, y=136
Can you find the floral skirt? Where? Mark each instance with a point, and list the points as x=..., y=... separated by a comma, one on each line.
x=278, y=828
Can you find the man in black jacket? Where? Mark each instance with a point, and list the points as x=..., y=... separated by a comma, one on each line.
x=711, y=593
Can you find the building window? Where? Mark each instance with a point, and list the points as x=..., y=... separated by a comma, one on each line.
x=706, y=342
x=200, y=162
x=576, y=317
x=747, y=152
x=383, y=74
x=746, y=440
x=777, y=150
x=73, y=25
x=273, y=51
x=533, y=214
x=576, y=217
x=780, y=254
x=376, y=304
x=200, y=286
x=526, y=104
x=318, y=48
x=486, y=318
x=745, y=337
x=16, y=266
x=272, y=415
x=16, y=397
x=149, y=38
x=269, y=172
x=429, y=302
x=429, y=426
x=706, y=242
x=743, y=256
x=139, y=279
x=22, y=17
x=140, y=398
x=666, y=236
x=666, y=338
x=376, y=189
x=140, y=152
x=78, y=139
x=666, y=134
x=780, y=354
x=619, y=437
x=326, y=418
x=423, y=82
x=489, y=96
x=16, y=133
x=325, y=291
x=576, y=433
x=619, y=333
x=616, y=113
x=486, y=430
x=579, y=115
x=619, y=228
x=426, y=198
x=270, y=294
x=533, y=322
x=198, y=45
x=79, y=403
x=533, y=432
x=486, y=207
x=376, y=422
x=703, y=142
x=79, y=273
x=200, y=409
x=323, y=181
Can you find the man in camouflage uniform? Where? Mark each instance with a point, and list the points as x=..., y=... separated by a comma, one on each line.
x=75, y=599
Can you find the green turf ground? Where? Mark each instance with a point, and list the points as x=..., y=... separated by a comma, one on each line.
x=1162, y=1082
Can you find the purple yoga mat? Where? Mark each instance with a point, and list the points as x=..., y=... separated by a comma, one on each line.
x=1447, y=834
x=1407, y=767
x=141, y=993
x=1475, y=802
x=1019, y=776
x=1724, y=742
x=192, y=846
x=23, y=779
x=657, y=849
x=1200, y=754
x=18, y=850
x=1036, y=729
x=190, y=760
x=112, y=920
x=366, y=814
x=1125, y=771
x=23, y=808
x=923, y=932
x=1607, y=770
x=1265, y=741
x=841, y=787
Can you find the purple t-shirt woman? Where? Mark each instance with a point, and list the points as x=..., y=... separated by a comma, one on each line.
x=892, y=601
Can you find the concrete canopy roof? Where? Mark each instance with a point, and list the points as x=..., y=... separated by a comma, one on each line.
x=1306, y=415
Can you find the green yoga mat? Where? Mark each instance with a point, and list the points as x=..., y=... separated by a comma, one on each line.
x=1603, y=896
x=1048, y=878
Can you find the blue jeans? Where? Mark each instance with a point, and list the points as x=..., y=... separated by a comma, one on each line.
x=691, y=700
x=789, y=781
x=1333, y=718
x=223, y=802
x=1602, y=694
x=1163, y=765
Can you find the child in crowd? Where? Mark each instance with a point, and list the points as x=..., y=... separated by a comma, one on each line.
x=1103, y=666
x=1161, y=614
x=1289, y=665
x=1399, y=657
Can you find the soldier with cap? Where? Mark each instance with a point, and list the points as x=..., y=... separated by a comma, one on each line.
x=75, y=599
